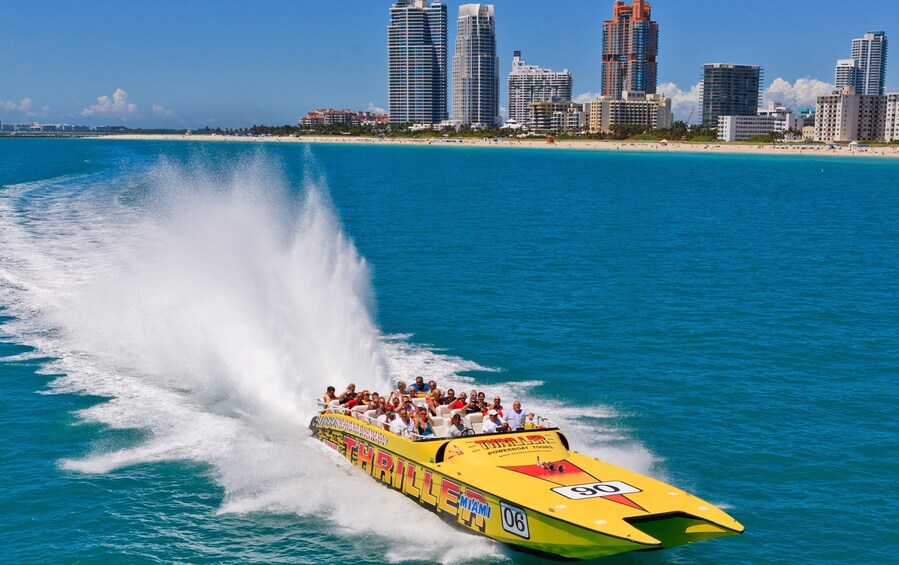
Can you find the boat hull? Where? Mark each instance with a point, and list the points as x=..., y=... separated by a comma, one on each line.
x=447, y=477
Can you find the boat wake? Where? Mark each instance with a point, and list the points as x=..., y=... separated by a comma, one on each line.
x=211, y=303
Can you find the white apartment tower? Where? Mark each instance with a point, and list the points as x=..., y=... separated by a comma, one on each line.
x=870, y=52
x=530, y=83
x=846, y=73
x=476, y=68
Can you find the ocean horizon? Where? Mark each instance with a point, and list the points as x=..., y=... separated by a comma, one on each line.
x=169, y=313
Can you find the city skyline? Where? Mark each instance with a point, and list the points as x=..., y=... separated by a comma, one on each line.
x=232, y=65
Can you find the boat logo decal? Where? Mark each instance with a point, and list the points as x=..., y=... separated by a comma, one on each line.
x=507, y=444
x=569, y=476
x=354, y=428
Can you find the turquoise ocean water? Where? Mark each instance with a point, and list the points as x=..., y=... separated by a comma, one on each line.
x=729, y=324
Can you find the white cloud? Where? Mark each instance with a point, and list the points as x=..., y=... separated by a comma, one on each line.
x=118, y=105
x=375, y=109
x=801, y=94
x=683, y=102
x=504, y=113
x=160, y=111
x=585, y=97
x=22, y=106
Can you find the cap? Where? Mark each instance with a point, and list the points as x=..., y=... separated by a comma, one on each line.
x=492, y=413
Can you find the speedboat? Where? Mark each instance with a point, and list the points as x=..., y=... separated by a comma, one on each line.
x=524, y=488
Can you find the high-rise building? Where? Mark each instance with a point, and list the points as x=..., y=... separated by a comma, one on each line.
x=417, y=57
x=870, y=52
x=846, y=73
x=729, y=90
x=530, y=83
x=476, y=68
x=891, y=132
x=630, y=44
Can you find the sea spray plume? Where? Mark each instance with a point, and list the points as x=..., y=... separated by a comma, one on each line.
x=236, y=291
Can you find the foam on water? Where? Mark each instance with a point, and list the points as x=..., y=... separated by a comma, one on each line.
x=212, y=306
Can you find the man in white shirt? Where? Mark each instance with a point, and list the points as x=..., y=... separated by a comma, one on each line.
x=457, y=428
x=494, y=423
x=403, y=425
x=515, y=417
x=388, y=417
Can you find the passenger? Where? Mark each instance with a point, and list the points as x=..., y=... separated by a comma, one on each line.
x=409, y=408
x=472, y=405
x=497, y=405
x=329, y=395
x=530, y=424
x=423, y=428
x=494, y=424
x=460, y=402
x=482, y=398
x=348, y=394
x=515, y=417
x=379, y=407
x=419, y=387
x=456, y=428
x=361, y=399
x=449, y=398
x=388, y=417
x=483, y=406
x=432, y=384
x=403, y=425
x=433, y=401
x=375, y=401
x=397, y=395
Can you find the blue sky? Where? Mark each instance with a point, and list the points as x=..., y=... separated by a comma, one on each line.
x=192, y=63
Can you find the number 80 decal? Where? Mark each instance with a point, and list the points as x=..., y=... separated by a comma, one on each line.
x=515, y=520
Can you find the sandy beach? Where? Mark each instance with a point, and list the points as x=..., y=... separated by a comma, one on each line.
x=779, y=149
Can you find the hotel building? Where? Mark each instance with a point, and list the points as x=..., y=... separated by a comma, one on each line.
x=530, y=83
x=476, y=68
x=560, y=116
x=630, y=45
x=891, y=130
x=631, y=109
x=417, y=58
x=845, y=116
x=729, y=90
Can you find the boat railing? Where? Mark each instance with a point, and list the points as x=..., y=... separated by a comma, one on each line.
x=473, y=422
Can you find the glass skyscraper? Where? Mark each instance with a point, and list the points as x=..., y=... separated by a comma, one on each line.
x=729, y=90
x=630, y=45
x=476, y=68
x=417, y=58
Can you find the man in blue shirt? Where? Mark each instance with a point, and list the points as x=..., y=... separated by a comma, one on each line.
x=420, y=387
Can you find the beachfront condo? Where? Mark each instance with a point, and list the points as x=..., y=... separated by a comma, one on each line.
x=530, y=83
x=417, y=58
x=630, y=45
x=476, y=68
x=729, y=90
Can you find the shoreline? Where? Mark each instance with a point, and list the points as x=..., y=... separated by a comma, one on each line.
x=651, y=146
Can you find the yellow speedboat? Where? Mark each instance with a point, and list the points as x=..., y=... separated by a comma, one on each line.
x=526, y=489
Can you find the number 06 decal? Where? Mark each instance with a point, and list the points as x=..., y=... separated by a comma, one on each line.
x=515, y=521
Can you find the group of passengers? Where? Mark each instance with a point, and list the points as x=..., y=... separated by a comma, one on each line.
x=397, y=411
